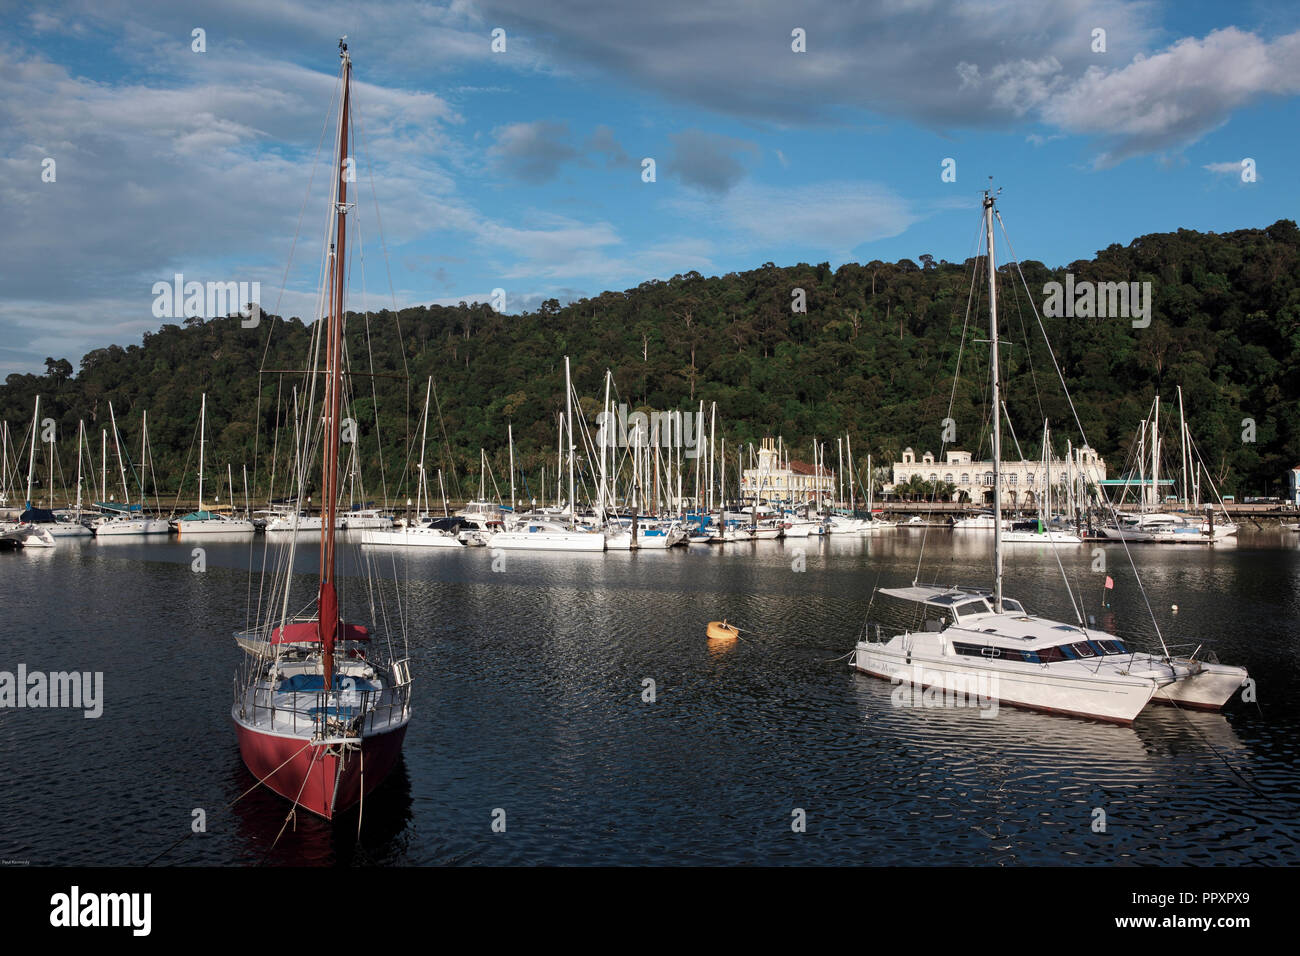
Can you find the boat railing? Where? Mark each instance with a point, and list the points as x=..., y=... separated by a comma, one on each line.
x=344, y=712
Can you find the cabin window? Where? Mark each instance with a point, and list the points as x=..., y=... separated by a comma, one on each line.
x=968, y=608
x=1048, y=655
x=1083, y=649
x=1111, y=647
x=1012, y=606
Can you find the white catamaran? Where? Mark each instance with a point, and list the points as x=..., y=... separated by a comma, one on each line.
x=976, y=640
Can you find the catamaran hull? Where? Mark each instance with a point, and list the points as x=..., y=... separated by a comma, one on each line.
x=1185, y=536
x=188, y=529
x=660, y=541
x=68, y=530
x=135, y=526
x=1035, y=537
x=548, y=541
x=325, y=779
x=1208, y=689
x=412, y=538
x=1117, y=702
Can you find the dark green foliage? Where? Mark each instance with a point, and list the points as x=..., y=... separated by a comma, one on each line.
x=873, y=356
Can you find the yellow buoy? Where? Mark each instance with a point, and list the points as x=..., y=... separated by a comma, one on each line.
x=722, y=631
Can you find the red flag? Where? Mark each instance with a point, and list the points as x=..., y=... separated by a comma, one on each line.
x=1110, y=584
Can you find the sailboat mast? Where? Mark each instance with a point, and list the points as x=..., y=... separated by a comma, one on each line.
x=853, y=498
x=144, y=431
x=1155, y=457
x=203, y=419
x=422, y=488
x=568, y=405
x=31, y=454
x=510, y=437
x=81, y=434
x=997, y=407
x=327, y=603
x=1182, y=441
x=121, y=466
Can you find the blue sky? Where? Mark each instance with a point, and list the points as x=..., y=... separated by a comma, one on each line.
x=522, y=170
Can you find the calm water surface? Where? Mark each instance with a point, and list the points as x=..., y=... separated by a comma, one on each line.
x=529, y=699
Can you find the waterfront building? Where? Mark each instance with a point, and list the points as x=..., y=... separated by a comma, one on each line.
x=1022, y=481
x=785, y=483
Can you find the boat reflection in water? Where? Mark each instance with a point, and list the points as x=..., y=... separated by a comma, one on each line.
x=313, y=841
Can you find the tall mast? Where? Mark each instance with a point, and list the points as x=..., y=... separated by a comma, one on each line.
x=510, y=436
x=839, y=475
x=103, y=464
x=722, y=490
x=604, y=444
x=81, y=434
x=1155, y=457
x=713, y=428
x=121, y=466
x=1182, y=441
x=327, y=604
x=422, y=487
x=997, y=407
x=144, y=431
x=1047, y=471
x=853, y=498
x=203, y=419
x=31, y=455
x=568, y=404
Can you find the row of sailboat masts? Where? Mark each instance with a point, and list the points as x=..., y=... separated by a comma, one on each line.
x=1149, y=450
x=86, y=463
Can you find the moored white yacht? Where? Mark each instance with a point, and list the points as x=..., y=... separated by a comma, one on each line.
x=980, y=643
x=429, y=533
x=538, y=534
x=984, y=521
x=202, y=521
x=1161, y=527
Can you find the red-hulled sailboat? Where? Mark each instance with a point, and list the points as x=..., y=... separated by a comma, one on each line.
x=320, y=710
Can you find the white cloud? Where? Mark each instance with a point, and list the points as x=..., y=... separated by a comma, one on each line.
x=1176, y=96
x=829, y=217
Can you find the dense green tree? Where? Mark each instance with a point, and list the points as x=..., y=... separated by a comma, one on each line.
x=875, y=355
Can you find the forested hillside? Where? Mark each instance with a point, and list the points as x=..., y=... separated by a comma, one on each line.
x=873, y=356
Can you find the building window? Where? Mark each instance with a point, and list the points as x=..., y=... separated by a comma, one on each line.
x=947, y=479
x=1029, y=479
x=988, y=477
x=965, y=479
x=1013, y=479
